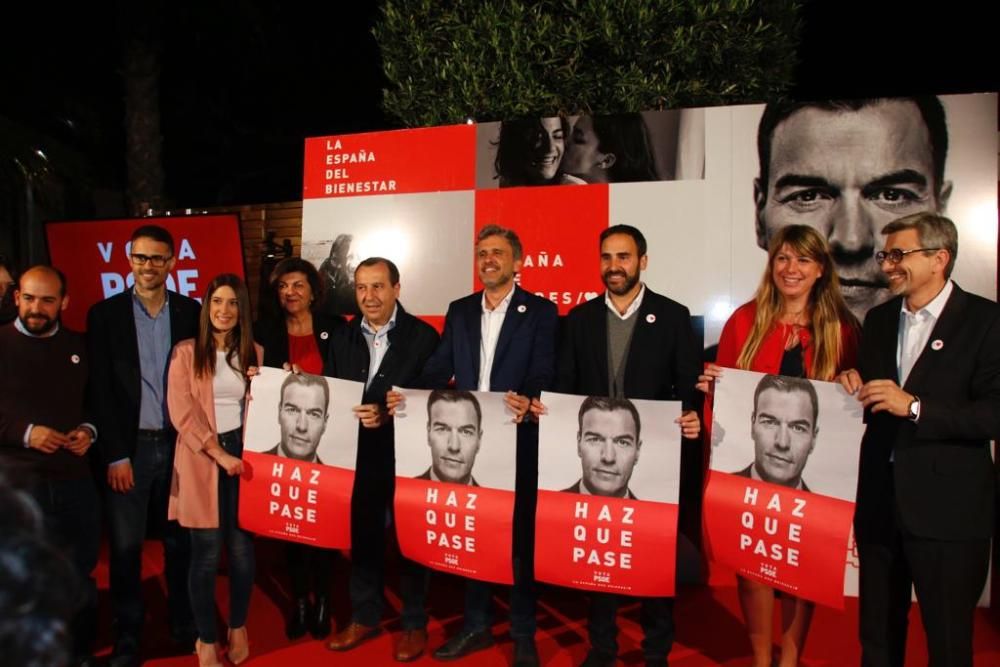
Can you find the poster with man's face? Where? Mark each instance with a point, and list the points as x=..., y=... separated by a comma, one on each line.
x=300, y=449
x=608, y=480
x=780, y=497
x=455, y=471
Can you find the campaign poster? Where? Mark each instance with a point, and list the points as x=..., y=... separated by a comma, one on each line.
x=455, y=468
x=783, y=476
x=95, y=256
x=299, y=453
x=706, y=186
x=608, y=484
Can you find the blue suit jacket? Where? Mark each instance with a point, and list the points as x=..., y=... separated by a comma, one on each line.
x=524, y=360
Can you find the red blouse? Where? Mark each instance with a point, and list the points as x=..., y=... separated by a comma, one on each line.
x=302, y=350
x=772, y=348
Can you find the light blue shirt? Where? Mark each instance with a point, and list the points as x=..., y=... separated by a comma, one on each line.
x=378, y=344
x=153, y=338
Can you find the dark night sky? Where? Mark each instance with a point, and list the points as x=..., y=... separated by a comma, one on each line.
x=244, y=82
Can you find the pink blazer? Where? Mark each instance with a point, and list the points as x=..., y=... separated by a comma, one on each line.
x=194, y=488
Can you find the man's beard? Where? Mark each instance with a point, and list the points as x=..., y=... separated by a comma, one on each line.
x=630, y=282
x=39, y=329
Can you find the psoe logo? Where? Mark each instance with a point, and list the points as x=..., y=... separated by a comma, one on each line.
x=768, y=570
x=542, y=260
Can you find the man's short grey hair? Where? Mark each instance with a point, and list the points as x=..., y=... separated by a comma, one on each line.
x=933, y=231
x=509, y=234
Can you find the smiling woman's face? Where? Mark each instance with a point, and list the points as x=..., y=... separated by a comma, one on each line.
x=583, y=159
x=547, y=150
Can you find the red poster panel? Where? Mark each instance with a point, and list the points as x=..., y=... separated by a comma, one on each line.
x=457, y=528
x=559, y=228
x=94, y=255
x=427, y=159
x=790, y=539
x=296, y=501
x=612, y=545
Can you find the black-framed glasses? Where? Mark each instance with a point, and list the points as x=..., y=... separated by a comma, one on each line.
x=158, y=261
x=895, y=256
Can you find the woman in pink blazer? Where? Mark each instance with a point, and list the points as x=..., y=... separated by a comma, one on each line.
x=206, y=392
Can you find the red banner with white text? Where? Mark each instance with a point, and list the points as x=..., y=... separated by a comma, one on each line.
x=94, y=256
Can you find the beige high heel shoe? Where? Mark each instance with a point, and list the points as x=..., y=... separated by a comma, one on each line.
x=208, y=654
x=239, y=645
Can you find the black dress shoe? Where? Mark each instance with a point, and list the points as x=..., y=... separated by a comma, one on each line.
x=319, y=628
x=298, y=620
x=463, y=644
x=525, y=652
x=597, y=658
x=125, y=653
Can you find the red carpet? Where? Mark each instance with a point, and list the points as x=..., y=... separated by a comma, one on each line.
x=709, y=625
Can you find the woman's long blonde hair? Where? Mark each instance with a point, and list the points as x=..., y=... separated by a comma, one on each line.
x=827, y=310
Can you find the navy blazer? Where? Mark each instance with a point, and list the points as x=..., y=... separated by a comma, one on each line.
x=115, y=386
x=943, y=475
x=663, y=359
x=524, y=360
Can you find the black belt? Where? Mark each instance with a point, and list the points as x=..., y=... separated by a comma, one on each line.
x=153, y=433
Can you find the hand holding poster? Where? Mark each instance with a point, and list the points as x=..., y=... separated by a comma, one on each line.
x=455, y=467
x=770, y=434
x=608, y=482
x=300, y=449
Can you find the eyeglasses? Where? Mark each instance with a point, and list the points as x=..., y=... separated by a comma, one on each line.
x=158, y=261
x=895, y=256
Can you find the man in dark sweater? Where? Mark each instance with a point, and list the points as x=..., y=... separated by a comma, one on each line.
x=44, y=435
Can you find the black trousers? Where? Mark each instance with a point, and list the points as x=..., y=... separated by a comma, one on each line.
x=656, y=617
x=948, y=576
x=371, y=504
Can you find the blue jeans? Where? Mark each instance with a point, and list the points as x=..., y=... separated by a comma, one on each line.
x=72, y=521
x=206, y=546
x=152, y=468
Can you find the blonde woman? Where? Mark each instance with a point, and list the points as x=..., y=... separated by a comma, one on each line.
x=799, y=325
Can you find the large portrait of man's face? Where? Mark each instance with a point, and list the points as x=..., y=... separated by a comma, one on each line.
x=454, y=434
x=608, y=444
x=783, y=427
x=847, y=169
x=303, y=412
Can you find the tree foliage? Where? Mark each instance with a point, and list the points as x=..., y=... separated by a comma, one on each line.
x=494, y=59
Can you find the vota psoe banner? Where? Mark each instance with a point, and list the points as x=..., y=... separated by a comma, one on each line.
x=455, y=467
x=300, y=447
x=608, y=483
x=94, y=255
x=380, y=163
x=780, y=494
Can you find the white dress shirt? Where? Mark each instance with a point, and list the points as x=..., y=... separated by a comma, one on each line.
x=490, y=325
x=915, y=330
x=632, y=307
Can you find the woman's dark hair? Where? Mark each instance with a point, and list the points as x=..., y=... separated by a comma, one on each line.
x=517, y=148
x=240, y=352
x=297, y=265
x=625, y=136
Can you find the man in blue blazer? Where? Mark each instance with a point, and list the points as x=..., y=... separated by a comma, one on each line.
x=129, y=337
x=501, y=339
x=929, y=378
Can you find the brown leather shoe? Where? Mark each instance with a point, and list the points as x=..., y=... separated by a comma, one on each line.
x=411, y=645
x=351, y=636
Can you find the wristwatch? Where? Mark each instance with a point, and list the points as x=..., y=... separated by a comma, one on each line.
x=914, y=412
